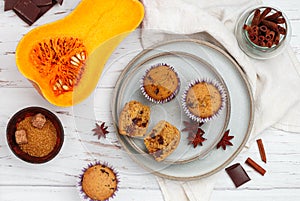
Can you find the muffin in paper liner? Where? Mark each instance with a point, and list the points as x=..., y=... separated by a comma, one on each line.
x=160, y=83
x=134, y=119
x=98, y=182
x=203, y=99
x=162, y=140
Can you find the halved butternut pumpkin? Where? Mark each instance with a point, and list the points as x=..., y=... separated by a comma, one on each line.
x=64, y=59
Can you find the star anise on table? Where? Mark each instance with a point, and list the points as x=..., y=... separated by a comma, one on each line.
x=100, y=130
x=195, y=133
x=225, y=141
x=192, y=127
x=197, y=138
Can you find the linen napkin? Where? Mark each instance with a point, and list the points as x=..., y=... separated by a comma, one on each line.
x=274, y=82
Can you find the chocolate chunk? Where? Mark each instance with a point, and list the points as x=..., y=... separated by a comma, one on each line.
x=237, y=174
x=104, y=171
x=9, y=4
x=42, y=2
x=27, y=11
x=152, y=135
x=158, y=153
x=136, y=121
x=160, y=140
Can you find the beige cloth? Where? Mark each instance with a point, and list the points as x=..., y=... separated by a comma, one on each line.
x=274, y=81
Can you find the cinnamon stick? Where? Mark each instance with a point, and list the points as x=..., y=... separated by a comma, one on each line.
x=255, y=166
x=264, y=14
x=261, y=43
x=274, y=16
x=261, y=38
x=261, y=150
x=277, y=38
x=270, y=35
x=270, y=24
x=280, y=20
x=255, y=30
x=256, y=17
x=269, y=44
x=253, y=38
x=263, y=28
x=281, y=30
x=246, y=27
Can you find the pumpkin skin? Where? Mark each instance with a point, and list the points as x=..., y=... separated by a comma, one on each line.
x=64, y=59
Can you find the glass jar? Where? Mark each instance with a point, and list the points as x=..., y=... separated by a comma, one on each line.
x=250, y=48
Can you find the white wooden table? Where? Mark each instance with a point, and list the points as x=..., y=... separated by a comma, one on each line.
x=56, y=179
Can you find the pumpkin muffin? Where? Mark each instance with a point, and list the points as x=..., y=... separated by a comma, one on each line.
x=203, y=100
x=162, y=140
x=134, y=119
x=160, y=84
x=98, y=182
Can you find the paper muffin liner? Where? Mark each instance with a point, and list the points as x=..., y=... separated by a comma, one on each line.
x=220, y=88
x=152, y=99
x=82, y=194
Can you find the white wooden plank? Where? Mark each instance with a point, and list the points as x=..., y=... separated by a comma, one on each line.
x=49, y=193
x=267, y=194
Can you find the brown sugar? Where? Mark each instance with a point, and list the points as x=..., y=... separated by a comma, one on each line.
x=41, y=141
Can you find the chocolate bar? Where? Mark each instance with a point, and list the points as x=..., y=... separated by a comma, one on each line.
x=237, y=174
x=27, y=11
x=42, y=2
x=45, y=9
x=9, y=4
x=30, y=10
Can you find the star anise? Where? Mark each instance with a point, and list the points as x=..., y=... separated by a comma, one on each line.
x=192, y=127
x=197, y=138
x=225, y=141
x=100, y=130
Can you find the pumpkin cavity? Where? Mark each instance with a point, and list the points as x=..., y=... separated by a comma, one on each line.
x=61, y=61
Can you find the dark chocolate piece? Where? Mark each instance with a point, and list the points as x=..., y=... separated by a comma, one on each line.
x=27, y=11
x=42, y=2
x=237, y=174
x=60, y=2
x=44, y=9
x=9, y=4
